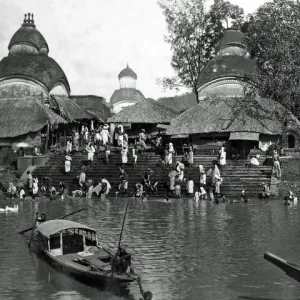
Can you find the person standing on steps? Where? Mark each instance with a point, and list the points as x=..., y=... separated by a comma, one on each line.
x=69, y=147
x=124, y=157
x=68, y=159
x=276, y=164
x=190, y=156
x=107, y=153
x=134, y=155
x=90, y=151
x=76, y=138
x=142, y=140
x=222, y=155
x=105, y=134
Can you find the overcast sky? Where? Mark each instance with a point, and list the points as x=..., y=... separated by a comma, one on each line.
x=93, y=40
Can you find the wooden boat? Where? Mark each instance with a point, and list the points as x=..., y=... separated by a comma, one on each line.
x=291, y=269
x=73, y=248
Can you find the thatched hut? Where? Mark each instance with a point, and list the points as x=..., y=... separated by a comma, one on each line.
x=146, y=114
x=25, y=120
x=68, y=109
x=95, y=106
x=232, y=119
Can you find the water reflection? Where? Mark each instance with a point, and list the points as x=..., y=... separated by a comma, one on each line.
x=182, y=250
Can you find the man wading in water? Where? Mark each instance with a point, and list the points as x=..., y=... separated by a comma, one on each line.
x=146, y=295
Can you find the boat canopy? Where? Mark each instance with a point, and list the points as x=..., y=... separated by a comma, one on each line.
x=53, y=226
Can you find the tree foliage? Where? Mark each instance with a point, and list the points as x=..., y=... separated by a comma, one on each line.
x=193, y=35
x=273, y=39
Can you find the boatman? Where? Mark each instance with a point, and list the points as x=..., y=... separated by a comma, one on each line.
x=146, y=295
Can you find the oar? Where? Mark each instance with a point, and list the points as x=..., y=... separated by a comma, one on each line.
x=62, y=217
x=123, y=226
x=34, y=224
x=112, y=271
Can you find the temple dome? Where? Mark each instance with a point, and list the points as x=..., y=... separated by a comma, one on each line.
x=231, y=37
x=226, y=66
x=40, y=68
x=28, y=35
x=127, y=72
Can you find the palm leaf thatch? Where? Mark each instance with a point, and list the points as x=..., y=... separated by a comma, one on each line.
x=97, y=115
x=68, y=108
x=231, y=115
x=19, y=117
x=147, y=111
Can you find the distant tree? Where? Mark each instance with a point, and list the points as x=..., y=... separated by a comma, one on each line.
x=273, y=39
x=193, y=36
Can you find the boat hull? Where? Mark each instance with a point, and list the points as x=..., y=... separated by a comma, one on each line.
x=90, y=277
x=291, y=269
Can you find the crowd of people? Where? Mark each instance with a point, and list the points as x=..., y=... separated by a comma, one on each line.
x=210, y=180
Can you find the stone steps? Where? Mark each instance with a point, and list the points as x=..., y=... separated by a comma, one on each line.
x=236, y=175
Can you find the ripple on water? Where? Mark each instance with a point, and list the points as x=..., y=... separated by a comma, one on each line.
x=181, y=250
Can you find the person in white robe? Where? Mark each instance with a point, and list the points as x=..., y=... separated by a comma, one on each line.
x=202, y=176
x=105, y=134
x=190, y=186
x=69, y=147
x=107, y=184
x=216, y=179
x=68, y=159
x=222, y=153
x=82, y=178
x=90, y=151
x=35, y=187
x=171, y=151
x=180, y=168
x=124, y=153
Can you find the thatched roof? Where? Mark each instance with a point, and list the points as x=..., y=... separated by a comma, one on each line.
x=19, y=117
x=41, y=68
x=226, y=66
x=91, y=102
x=231, y=115
x=126, y=94
x=97, y=115
x=147, y=111
x=68, y=108
x=179, y=103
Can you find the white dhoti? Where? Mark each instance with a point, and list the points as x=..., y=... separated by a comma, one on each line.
x=67, y=166
x=91, y=156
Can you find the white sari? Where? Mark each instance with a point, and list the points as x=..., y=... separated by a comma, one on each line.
x=222, y=156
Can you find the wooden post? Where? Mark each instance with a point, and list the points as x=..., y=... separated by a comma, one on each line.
x=83, y=239
x=61, y=243
x=47, y=139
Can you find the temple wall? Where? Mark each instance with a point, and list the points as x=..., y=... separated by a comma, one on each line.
x=226, y=88
x=127, y=82
x=120, y=105
x=21, y=88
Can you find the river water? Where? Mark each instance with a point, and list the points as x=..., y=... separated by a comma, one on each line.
x=182, y=250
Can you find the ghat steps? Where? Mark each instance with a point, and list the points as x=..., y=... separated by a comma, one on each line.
x=236, y=176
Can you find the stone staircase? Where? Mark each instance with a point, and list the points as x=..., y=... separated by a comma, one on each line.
x=236, y=175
